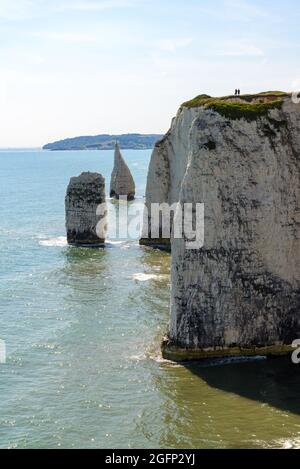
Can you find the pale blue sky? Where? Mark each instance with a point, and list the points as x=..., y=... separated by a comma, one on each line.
x=78, y=67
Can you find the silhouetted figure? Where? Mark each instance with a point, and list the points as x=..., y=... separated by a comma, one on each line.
x=238, y=92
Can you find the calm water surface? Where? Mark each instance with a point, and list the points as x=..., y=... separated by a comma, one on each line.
x=83, y=327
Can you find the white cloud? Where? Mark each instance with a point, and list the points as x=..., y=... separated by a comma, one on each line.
x=171, y=45
x=65, y=36
x=241, y=49
x=95, y=5
x=15, y=10
x=245, y=9
x=237, y=11
x=10, y=56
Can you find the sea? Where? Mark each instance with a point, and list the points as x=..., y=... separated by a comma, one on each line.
x=82, y=330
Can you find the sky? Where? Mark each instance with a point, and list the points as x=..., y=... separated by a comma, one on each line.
x=85, y=67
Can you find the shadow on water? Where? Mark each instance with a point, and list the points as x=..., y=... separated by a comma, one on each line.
x=84, y=269
x=239, y=405
x=275, y=382
x=87, y=259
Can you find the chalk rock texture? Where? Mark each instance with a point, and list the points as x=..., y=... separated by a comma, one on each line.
x=86, y=210
x=239, y=294
x=166, y=171
x=121, y=183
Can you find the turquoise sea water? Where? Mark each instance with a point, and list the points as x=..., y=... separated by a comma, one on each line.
x=83, y=328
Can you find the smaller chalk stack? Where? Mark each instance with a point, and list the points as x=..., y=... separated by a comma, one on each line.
x=121, y=183
x=86, y=213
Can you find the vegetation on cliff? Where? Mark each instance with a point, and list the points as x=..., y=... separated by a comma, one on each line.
x=240, y=110
x=249, y=106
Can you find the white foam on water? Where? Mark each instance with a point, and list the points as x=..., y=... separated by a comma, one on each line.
x=138, y=358
x=114, y=243
x=46, y=346
x=141, y=277
x=158, y=358
x=60, y=241
x=283, y=443
x=154, y=355
x=2, y=352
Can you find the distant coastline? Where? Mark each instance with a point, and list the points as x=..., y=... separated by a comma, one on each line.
x=105, y=142
x=20, y=149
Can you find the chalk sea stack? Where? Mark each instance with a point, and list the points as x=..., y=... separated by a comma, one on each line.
x=240, y=293
x=85, y=221
x=121, y=183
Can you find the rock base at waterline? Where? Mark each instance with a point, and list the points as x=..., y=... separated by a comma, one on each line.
x=178, y=354
x=159, y=243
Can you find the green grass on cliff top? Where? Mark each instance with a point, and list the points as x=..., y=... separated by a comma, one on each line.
x=240, y=110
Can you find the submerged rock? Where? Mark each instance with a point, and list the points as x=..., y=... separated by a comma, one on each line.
x=121, y=183
x=86, y=210
x=239, y=294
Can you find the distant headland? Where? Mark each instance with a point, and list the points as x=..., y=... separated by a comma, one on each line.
x=105, y=142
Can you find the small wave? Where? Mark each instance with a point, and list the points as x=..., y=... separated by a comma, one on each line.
x=138, y=358
x=114, y=243
x=140, y=277
x=46, y=346
x=293, y=443
x=155, y=356
x=60, y=241
x=282, y=443
x=158, y=358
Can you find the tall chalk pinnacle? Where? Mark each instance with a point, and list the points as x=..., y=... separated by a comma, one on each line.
x=121, y=183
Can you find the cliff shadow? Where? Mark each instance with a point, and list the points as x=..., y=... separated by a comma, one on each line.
x=275, y=382
x=84, y=268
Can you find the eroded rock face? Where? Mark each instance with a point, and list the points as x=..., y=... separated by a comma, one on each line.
x=166, y=171
x=121, y=183
x=240, y=292
x=86, y=210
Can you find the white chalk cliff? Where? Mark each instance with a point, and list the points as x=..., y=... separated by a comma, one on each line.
x=121, y=183
x=240, y=292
